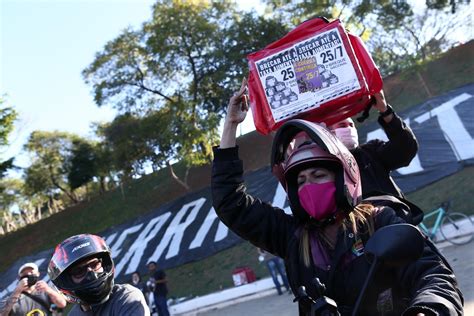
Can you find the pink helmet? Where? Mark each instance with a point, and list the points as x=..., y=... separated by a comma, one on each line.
x=299, y=144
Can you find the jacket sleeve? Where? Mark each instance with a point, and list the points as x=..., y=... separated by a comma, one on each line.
x=401, y=147
x=260, y=223
x=430, y=281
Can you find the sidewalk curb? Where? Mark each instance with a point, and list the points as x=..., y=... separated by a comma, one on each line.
x=227, y=297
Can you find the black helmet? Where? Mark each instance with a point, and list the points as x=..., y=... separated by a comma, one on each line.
x=95, y=288
x=299, y=144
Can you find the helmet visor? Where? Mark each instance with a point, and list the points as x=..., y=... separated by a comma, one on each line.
x=73, y=250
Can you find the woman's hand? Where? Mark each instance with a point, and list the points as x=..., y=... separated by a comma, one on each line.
x=238, y=106
x=236, y=113
x=381, y=105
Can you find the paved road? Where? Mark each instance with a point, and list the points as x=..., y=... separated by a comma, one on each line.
x=460, y=257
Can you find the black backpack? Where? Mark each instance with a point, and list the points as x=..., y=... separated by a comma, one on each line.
x=408, y=211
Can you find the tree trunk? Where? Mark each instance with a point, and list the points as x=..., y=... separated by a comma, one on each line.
x=425, y=86
x=38, y=214
x=10, y=224
x=70, y=195
x=24, y=217
x=49, y=205
x=57, y=206
x=122, y=190
x=176, y=178
x=102, y=185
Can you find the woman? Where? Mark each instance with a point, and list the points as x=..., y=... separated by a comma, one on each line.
x=325, y=237
x=137, y=282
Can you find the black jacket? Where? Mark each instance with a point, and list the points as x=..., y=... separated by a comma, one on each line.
x=425, y=285
x=376, y=158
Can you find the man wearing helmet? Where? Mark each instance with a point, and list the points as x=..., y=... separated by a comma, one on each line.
x=326, y=235
x=83, y=270
x=32, y=296
x=377, y=158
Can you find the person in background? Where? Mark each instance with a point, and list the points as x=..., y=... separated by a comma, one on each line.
x=83, y=270
x=326, y=235
x=159, y=281
x=32, y=296
x=137, y=282
x=377, y=158
x=276, y=267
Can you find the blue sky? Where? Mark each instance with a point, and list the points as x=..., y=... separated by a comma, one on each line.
x=44, y=47
x=45, y=44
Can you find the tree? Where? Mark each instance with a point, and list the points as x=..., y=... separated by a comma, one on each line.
x=38, y=191
x=82, y=163
x=8, y=189
x=417, y=39
x=396, y=35
x=104, y=167
x=443, y=4
x=180, y=69
x=50, y=153
x=7, y=119
x=123, y=137
x=357, y=15
x=9, y=195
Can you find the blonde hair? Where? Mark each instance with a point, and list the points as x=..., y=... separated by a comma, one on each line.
x=360, y=220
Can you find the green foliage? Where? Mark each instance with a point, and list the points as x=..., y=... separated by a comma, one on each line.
x=356, y=15
x=124, y=139
x=5, y=166
x=170, y=80
x=37, y=180
x=7, y=119
x=82, y=164
x=443, y=4
x=397, y=37
x=453, y=69
x=50, y=153
x=10, y=193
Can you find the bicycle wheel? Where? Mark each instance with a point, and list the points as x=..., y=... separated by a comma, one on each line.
x=457, y=228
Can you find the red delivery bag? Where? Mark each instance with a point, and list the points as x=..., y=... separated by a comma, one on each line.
x=317, y=72
x=243, y=275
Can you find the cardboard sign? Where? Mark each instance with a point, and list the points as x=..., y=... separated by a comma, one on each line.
x=313, y=73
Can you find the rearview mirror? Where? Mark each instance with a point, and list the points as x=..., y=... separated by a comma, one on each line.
x=396, y=245
x=392, y=245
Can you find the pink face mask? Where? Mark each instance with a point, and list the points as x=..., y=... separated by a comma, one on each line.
x=318, y=199
x=348, y=136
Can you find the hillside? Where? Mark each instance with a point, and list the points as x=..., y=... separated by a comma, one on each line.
x=454, y=69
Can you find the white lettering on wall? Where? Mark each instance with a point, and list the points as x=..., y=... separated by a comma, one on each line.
x=221, y=233
x=279, y=199
x=136, y=250
x=453, y=129
x=415, y=163
x=109, y=239
x=175, y=231
x=115, y=249
x=377, y=134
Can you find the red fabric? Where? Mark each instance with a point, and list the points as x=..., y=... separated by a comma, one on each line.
x=328, y=112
